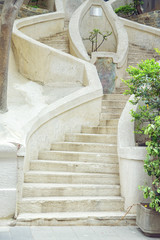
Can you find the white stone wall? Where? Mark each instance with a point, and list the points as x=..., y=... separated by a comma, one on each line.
x=8, y=179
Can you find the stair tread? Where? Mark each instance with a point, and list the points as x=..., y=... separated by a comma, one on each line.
x=93, y=134
x=65, y=185
x=73, y=162
x=78, y=152
x=75, y=198
x=66, y=215
x=70, y=173
x=83, y=143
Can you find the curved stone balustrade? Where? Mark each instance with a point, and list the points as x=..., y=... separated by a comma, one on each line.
x=47, y=122
x=131, y=160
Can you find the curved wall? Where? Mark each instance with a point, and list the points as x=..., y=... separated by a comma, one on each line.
x=54, y=68
x=131, y=160
x=39, y=62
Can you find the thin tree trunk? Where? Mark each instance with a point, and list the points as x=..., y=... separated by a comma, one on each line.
x=9, y=12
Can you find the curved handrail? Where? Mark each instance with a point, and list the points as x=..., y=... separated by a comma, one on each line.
x=81, y=72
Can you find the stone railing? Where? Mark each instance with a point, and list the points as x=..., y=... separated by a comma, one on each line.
x=51, y=67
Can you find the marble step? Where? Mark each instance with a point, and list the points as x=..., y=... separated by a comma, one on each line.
x=71, y=204
x=109, y=218
x=78, y=156
x=91, y=138
x=50, y=190
x=84, y=147
x=108, y=116
x=70, y=178
x=106, y=109
x=117, y=97
x=111, y=122
x=100, y=130
x=113, y=103
x=80, y=167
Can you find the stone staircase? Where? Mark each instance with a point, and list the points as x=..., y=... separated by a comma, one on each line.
x=59, y=41
x=77, y=181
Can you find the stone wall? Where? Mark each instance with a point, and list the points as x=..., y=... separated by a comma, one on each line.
x=150, y=18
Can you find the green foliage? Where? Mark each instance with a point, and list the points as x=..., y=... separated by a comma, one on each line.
x=94, y=37
x=127, y=9
x=152, y=164
x=145, y=85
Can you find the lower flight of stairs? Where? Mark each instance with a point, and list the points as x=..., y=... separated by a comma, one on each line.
x=77, y=181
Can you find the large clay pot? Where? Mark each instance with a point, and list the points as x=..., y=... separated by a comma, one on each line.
x=148, y=221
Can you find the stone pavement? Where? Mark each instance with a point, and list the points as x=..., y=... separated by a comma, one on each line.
x=72, y=233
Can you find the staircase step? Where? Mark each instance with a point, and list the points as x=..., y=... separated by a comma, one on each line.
x=118, y=97
x=109, y=116
x=91, y=138
x=76, y=218
x=85, y=147
x=108, y=110
x=111, y=122
x=70, y=178
x=100, y=130
x=78, y=156
x=113, y=103
x=81, y=167
x=71, y=204
x=50, y=190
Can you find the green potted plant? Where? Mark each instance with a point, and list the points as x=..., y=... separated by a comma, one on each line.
x=145, y=85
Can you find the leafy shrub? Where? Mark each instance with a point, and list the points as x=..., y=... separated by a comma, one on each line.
x=145, y=85
x=127, y=9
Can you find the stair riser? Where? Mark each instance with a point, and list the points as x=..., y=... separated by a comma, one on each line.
x=108, y=116
x=91, y=139
x=84, y=157
x=99, y=130
x=105, y=109
x=70, y=191
x=71, y=206
x=81, y=168
x=117, y=97
x=113, y=104
x=112, y=123
x=39, y=178
x=100, y=148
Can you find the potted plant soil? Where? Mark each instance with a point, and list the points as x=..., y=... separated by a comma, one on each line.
x=145, y=85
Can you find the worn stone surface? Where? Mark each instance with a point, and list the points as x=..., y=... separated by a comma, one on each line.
x=150, y=18
x=74, y=233
x=106, y=71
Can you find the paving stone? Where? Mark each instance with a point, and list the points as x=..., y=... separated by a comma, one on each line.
x=21, y=233
x=85, y=233
x=64, y=233
x=5, y=235
x=42, y=233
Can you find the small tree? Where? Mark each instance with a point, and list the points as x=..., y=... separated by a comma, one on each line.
x=93, y=38
x=8, y=15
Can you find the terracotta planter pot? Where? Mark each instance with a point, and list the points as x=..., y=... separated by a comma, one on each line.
x=148, y=221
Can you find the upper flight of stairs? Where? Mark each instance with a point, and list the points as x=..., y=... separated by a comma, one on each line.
x=59, y=41
x=77, y=181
